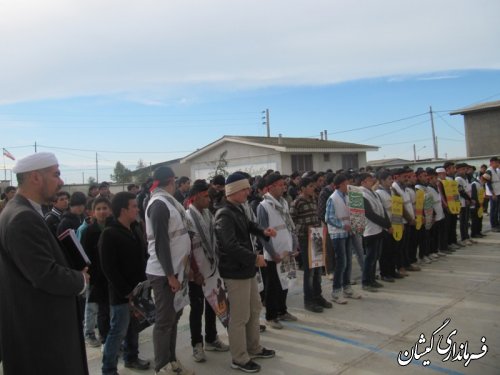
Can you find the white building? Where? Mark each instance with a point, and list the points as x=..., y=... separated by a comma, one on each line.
x=255, y=155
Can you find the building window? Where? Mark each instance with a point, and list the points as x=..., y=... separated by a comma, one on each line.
x=326, y=157
x=302, y=162
x=350, y=161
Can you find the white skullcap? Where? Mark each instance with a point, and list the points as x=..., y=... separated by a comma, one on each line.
x=35, y=162
x=440, y=170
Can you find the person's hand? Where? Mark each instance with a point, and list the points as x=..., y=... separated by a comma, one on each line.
x=390, y=230
x=295, y=253
x=270, y=232
x=198, y=278
x=277, y=258
x=260, y=261
x=85, y=273
x=494, y=197
x=175, y=285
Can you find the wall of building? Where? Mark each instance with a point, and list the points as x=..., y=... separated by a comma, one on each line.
x=247, y=158
x=482, y=133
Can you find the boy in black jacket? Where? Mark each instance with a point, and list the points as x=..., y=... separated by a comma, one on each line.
x=122, y=254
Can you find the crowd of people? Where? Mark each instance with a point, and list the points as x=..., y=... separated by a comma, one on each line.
x=236, y=238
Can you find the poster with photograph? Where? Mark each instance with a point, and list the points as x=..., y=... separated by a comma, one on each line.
x=356, y=209
x=260, y=280
x=287, y=272
x=216, y=294
x=181, y=298
x=316, y=247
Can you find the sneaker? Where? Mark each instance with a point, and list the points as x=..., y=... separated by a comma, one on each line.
x=138, y=364
x=426, y=260
x=470, y=242
x=397, y=275
x=387, y=279
x=350, y=293
x=369, y=288
x=199, y=353
x=314, y=307
x=434, y=256
x=264, y=353
x=454, y=246
x=462, y=243
x=174, y=368
x=440, y=253
x=274, y=323
x=216, y=346
x=337, y=297
x=250, y=366
x=92, y=341
x=324, y=303
x=287, y=317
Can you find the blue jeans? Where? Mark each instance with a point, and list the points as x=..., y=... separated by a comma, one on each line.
x=357, y=246
x=312, y=277
x=373, y=248
x=90, y=319
x=120, y=319
x=343, y=263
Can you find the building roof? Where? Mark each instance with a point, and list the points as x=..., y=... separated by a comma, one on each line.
x=385, y=162
x=286, y=144
x=478, y=108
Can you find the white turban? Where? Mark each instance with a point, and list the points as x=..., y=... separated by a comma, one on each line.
x=35, y=162
x=440, y=170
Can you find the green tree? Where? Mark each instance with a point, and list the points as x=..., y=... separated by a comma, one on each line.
x=142, y=172
x=122, y=173
x=91, y=180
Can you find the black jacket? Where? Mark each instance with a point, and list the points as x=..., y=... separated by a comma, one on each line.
x=123, y=261
x=69, y=221
x=235, y=251
x=98, y=288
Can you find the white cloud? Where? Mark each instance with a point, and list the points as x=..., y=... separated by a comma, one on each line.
x=59, y=48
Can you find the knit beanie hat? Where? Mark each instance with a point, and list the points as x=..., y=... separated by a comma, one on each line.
x=236, y=182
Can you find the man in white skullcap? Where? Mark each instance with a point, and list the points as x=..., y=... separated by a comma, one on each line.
x=40, y=324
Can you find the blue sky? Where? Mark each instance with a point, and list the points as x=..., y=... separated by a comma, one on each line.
x=158, y=80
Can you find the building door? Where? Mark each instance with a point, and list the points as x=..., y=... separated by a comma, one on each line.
x=302, y=162
x=350, y=161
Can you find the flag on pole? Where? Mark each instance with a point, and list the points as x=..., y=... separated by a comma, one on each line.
x=8, y=154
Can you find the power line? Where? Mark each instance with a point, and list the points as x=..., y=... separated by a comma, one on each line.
x=396, y=131
x=374, y=125
x=447, y=123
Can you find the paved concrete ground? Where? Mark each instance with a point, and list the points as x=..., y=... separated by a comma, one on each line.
x=365, y=336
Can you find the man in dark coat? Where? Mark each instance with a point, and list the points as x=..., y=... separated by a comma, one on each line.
x=40, y=328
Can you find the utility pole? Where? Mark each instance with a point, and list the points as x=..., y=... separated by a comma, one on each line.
x=266, y=122
x=35, y=147
x=414, y=153
x=96, y=168
x=434, y=144
x=83, y=177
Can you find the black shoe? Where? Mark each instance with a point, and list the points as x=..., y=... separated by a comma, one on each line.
x=388, y=279
x=262, y=328
x=324, y=303
x=314, y=307
x=376, y=284
x=353, y=282
x=250, y=366
x=397, y=276
x=264, y=353
x=138, y=364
